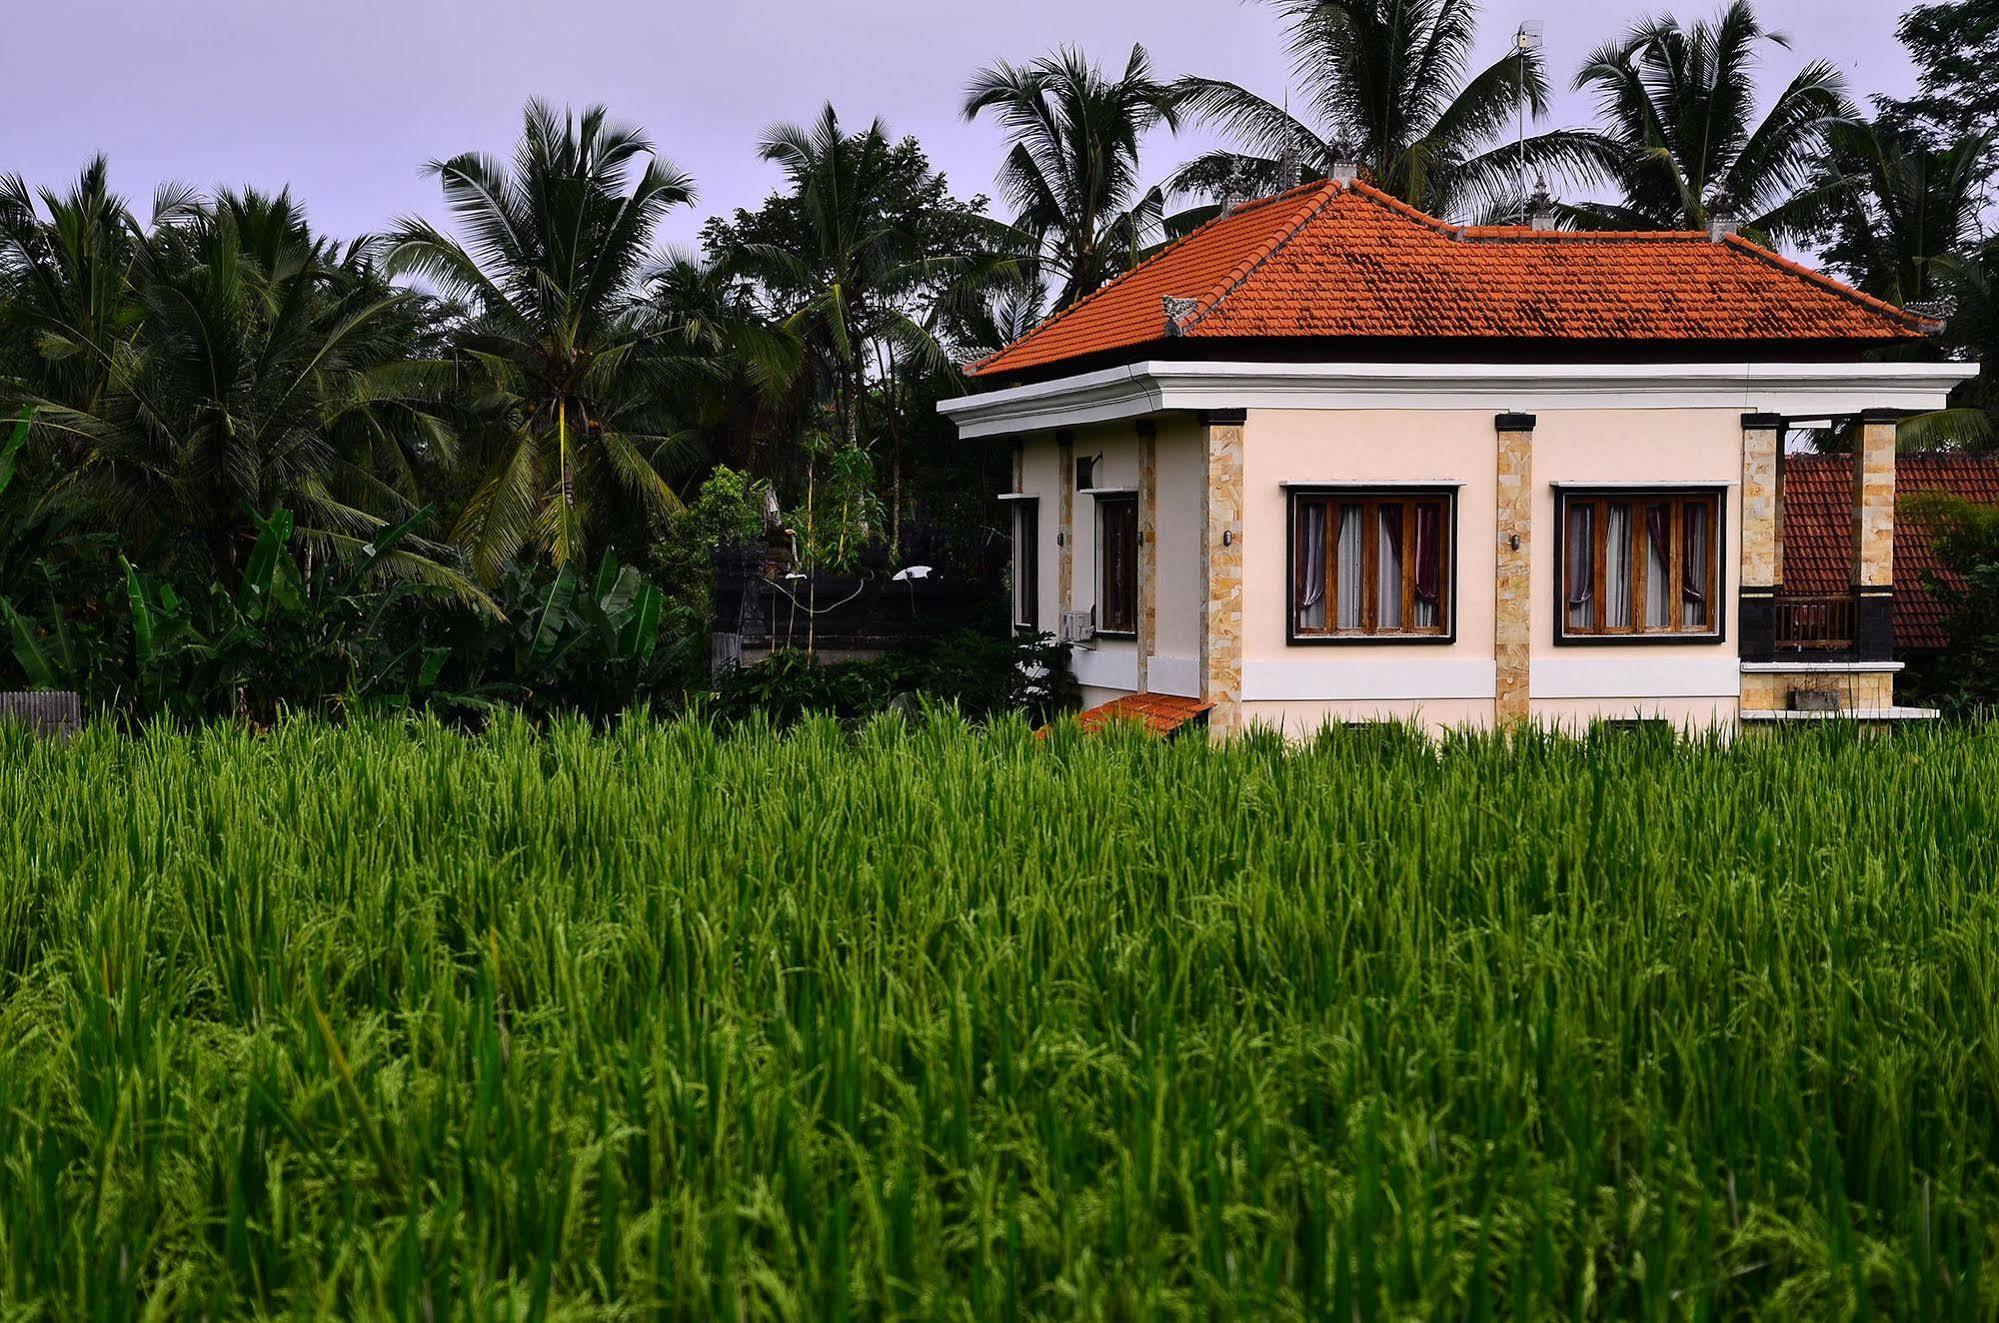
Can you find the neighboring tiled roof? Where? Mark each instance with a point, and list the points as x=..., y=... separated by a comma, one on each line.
x=1348, y=261
x=1818, y=531
x=1162, y=715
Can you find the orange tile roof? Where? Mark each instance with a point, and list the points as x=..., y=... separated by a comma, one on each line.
x=1348, y=261
x=1818, y=532
x=1162, y=715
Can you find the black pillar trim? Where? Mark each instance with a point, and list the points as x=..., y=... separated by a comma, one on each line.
x=1883, y=415
x=1225, y=417
x=1874, y=624
x=1514, y=422
x=1762, y=422
x=1757, y=623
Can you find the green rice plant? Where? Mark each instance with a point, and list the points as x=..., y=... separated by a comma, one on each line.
x=929, y=1021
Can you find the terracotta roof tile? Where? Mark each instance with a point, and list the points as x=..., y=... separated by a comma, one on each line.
x=1162, y=715
x=1818, y=531
x=1348, y=261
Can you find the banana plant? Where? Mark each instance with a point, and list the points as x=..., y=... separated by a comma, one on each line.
x=615, y=623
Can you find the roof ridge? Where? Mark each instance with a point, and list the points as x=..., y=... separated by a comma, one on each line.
x=1062, y=314
x=1914, y=321
x=1320, y=195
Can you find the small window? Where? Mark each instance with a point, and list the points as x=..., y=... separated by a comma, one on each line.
x=1375, y=564
x=1641, y=563
x=1026, y=564
x=1117, y=565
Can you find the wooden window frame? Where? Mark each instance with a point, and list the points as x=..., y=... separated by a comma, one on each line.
x=1600, y=499
x=1026, y=567
x=1122, y=504
x=1370, y=499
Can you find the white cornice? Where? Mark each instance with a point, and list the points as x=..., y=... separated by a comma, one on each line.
x=1796, y=389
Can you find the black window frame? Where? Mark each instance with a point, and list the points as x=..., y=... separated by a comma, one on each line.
x=1371, y=496
x=1716, y=497
x=1125, y=506
x=1026, y=565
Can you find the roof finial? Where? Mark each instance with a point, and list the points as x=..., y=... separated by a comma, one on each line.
x=1178, y=311
x=1722, y=220
x=1541, y=206
x=1346, y=161
x=1290, y=164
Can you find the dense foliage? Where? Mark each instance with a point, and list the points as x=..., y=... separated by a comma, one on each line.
x=931, y=1023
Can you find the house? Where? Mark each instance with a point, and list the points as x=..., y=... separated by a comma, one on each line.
x=1331, y=459
x=1817, y=498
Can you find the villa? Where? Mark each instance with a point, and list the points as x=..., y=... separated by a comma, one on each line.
x=1331, y=459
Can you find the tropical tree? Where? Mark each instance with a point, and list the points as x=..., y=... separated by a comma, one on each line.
x=1385, y=84
x=1682, y=140
x=67, y=271
x=869, y=263
x=259, y=368
x=1901, y=212
x=574, y=424
x=1071, y=172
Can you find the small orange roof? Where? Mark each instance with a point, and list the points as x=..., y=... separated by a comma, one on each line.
x=1161, y=715
x=1347, y=261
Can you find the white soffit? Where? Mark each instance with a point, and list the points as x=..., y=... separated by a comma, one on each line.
x=1797, y=389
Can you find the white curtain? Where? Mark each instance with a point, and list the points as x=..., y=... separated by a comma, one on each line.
x=1350, y=566
x=1388, y=570
x=1617, y=568
x=1312, y=566
x=1658, y=566
x=1693, y=608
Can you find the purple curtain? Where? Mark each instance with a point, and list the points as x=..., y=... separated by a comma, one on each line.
x=1312, y=576
x=1580, y=566
x=1693, y=566
x=1427, y=569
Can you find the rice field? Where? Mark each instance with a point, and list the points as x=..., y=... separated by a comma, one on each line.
x=931, y=1022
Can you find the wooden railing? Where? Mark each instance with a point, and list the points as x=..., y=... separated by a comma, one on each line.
x=1825, y=623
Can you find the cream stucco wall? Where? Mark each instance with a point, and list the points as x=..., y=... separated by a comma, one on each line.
x=1109, y=668
x=1695, y=683
x=1040, y=476
x=1300, y=687
x=1291, y=684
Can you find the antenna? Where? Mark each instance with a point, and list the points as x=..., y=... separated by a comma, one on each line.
x=1526, y=41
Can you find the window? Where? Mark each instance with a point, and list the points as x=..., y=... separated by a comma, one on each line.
x=1117, y=564
x=1373, y=564
x=1026, y=564
x=1639, y=563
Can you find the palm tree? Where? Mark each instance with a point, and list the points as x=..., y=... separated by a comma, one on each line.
x=67, y=299
x=1901, y=210
x=253, y=367
x=1071, y=173
x=1385, y=81
x=1683, y=141
x=866, y=262
x=575, y=426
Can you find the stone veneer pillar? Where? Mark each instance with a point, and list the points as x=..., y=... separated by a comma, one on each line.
x=1065, y=527
x=1513, y=586
x=1221, y=571
x=1874, y=535
x=1148, y=559
x=1762, y=547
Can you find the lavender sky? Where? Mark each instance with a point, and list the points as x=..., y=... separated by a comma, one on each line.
x=347, y=101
